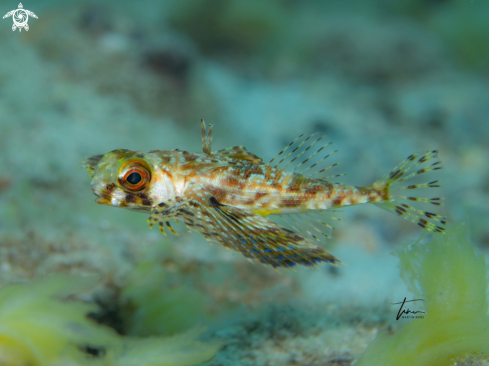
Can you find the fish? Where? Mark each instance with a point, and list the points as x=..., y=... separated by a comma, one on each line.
x=232, y=197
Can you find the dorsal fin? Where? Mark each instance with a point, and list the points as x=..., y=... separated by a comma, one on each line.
x=239, y=153
x=309, y=161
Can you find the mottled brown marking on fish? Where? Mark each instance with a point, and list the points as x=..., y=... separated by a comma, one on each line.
x=259, y=195
x=375, y=195
x=338, y=200
x=291, y=202
x=293, y=189
x=247, y=202
x=276, y=185
x=188, y=166
x=232, y=183
x=249, y=171
x=219, y=193
x=313, y=191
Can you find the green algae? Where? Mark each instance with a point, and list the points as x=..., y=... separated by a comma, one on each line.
x=41, y=325
x=452, y=279
x=154, y=307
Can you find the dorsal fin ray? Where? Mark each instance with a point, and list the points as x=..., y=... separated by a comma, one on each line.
x=283, y=150
x=236, y=152
x=303, y=151
x=206, y=137
x=289, y=155
x=303, y=148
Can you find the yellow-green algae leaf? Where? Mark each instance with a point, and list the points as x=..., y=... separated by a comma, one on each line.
x=37, y=328
x=452, y=279
x=179, y=350
x=41, y=330
x=157, y=308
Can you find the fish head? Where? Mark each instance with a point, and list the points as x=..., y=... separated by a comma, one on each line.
x=123, y=178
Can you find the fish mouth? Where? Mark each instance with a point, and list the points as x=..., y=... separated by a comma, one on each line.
x=103, y=201
x=102, y=197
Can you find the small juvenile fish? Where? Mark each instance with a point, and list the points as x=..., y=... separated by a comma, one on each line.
x=228, y=195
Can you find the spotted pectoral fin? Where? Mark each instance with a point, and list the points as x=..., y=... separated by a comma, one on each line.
x=165, y=211
x=252, y=235
x=239, y=153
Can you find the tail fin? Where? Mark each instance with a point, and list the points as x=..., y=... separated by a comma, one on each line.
x=400, y=174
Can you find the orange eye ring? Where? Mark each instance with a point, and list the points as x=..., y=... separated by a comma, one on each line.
x=136, y=178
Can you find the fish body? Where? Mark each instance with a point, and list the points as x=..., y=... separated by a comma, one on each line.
x=252, y=186
x=230, y=195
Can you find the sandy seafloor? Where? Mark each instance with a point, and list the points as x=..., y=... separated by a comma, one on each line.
x=382, y=81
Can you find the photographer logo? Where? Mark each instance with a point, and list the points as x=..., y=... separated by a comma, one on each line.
x=20, y=17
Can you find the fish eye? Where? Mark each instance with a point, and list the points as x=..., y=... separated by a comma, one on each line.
x=135, y=178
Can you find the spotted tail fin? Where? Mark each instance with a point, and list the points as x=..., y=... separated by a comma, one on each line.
x=397, y=202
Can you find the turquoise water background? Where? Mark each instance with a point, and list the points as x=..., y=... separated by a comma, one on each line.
x=381, y=79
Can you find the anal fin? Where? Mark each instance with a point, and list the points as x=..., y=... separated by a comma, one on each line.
x=314, y=225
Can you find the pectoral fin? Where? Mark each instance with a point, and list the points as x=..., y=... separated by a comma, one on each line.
x=252, y=235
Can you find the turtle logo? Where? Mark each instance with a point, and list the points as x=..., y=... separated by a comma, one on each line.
x=20, y=17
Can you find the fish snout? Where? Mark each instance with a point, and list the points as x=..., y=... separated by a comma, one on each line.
x=104, y=194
